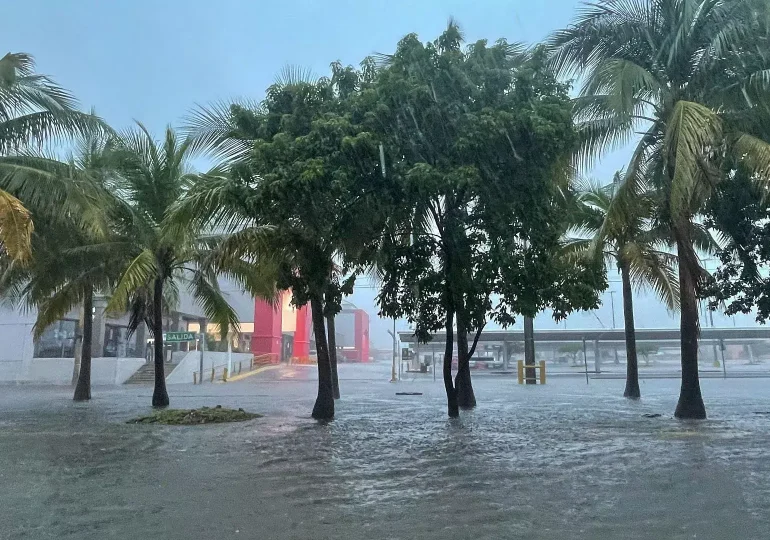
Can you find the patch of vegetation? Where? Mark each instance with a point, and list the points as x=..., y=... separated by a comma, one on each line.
x=188, y=417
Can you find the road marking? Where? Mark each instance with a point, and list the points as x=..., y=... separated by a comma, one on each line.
x=250, y=373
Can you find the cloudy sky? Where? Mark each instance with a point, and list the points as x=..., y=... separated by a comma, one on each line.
x=152, y=60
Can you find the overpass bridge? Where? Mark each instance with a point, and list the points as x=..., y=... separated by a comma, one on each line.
x=659, y=335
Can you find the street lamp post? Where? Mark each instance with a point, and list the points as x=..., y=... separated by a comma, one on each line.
x=395, y=353
x=612, y=302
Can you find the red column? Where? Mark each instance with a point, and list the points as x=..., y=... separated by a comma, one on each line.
x=267, y=336
x=362, y=335
x=302, y=333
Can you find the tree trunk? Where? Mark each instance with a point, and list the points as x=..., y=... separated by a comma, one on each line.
x=324, y=403
x=159, y=395
x=466, y=399
x=690, y=403
x=529, y=350
x=632, y=364
x=453, y=409
x=83, y=387
x=333, y=355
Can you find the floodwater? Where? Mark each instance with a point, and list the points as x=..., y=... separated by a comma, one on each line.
x=566, y=460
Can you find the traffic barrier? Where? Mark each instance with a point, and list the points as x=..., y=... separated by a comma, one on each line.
x=521, y=367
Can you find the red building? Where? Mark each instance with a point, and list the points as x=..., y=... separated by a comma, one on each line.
x=284, y=332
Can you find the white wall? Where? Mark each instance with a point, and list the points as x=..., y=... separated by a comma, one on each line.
x=104, y=371
x=183, y=372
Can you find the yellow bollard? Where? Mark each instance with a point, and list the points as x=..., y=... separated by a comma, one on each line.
x=195, y=377
x=224, y=375
x=212, y=374
x=542, y=371
x=520, y=370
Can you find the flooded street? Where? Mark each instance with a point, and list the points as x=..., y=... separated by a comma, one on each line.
x=566, y=460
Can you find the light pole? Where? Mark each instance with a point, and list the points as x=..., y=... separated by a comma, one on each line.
x=612, y=302
x=393, y=366
x=393, y=333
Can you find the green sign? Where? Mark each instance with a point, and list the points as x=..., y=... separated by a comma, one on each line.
x=177, y=337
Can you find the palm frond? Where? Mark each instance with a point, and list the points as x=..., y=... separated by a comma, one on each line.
x=138, y=275
x=214, y=130
x=208, y=295
x=654, y=269
x=691, y=133
x=15, y=227
x=292, y=74
x=57, y=306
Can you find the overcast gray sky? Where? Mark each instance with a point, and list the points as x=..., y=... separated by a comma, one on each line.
x=152, y=60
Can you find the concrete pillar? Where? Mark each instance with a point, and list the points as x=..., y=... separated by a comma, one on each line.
x=505, y=355
x=597, y=357
x=100, y=319
x=267, y=337
x=302, y=333
x=141, y=340
x=361, y=323
x=202, y=323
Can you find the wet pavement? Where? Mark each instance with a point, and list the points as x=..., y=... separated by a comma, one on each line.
x=566, y=460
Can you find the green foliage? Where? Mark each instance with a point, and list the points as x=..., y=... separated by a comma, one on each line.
x=171, y=248
x=75, y=252
x=688, y=75
x=478, y=143
x=573, y=350
x=608, y=224
x=742, y=214
x=34, y=111
x=647, y=349
x=302, y=203
x=192, y=417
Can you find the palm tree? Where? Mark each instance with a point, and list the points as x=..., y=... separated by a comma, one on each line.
x=71, y=261
x=690, y=75
x=167, y=249
x=620, y=232
x=33, y=111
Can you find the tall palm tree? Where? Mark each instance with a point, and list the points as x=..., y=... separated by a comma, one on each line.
x=688, y=74
x=167, y=249
x=71, y=261
x=620, y=231
x=33, y=111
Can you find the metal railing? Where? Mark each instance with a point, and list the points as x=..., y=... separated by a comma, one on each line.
x=222, y=372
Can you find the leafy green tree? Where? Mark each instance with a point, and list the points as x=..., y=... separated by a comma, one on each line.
x=34, y=111
x=298, y=196
x=167, y=249
x=619, y=230
x=572, y=350
x=478, y=141
x=741, y=213
x=690, y=75
x=646, y=349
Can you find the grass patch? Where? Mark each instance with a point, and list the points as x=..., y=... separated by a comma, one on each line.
x=193, y=417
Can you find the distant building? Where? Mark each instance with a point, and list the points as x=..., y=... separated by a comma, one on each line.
x=283, y=333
